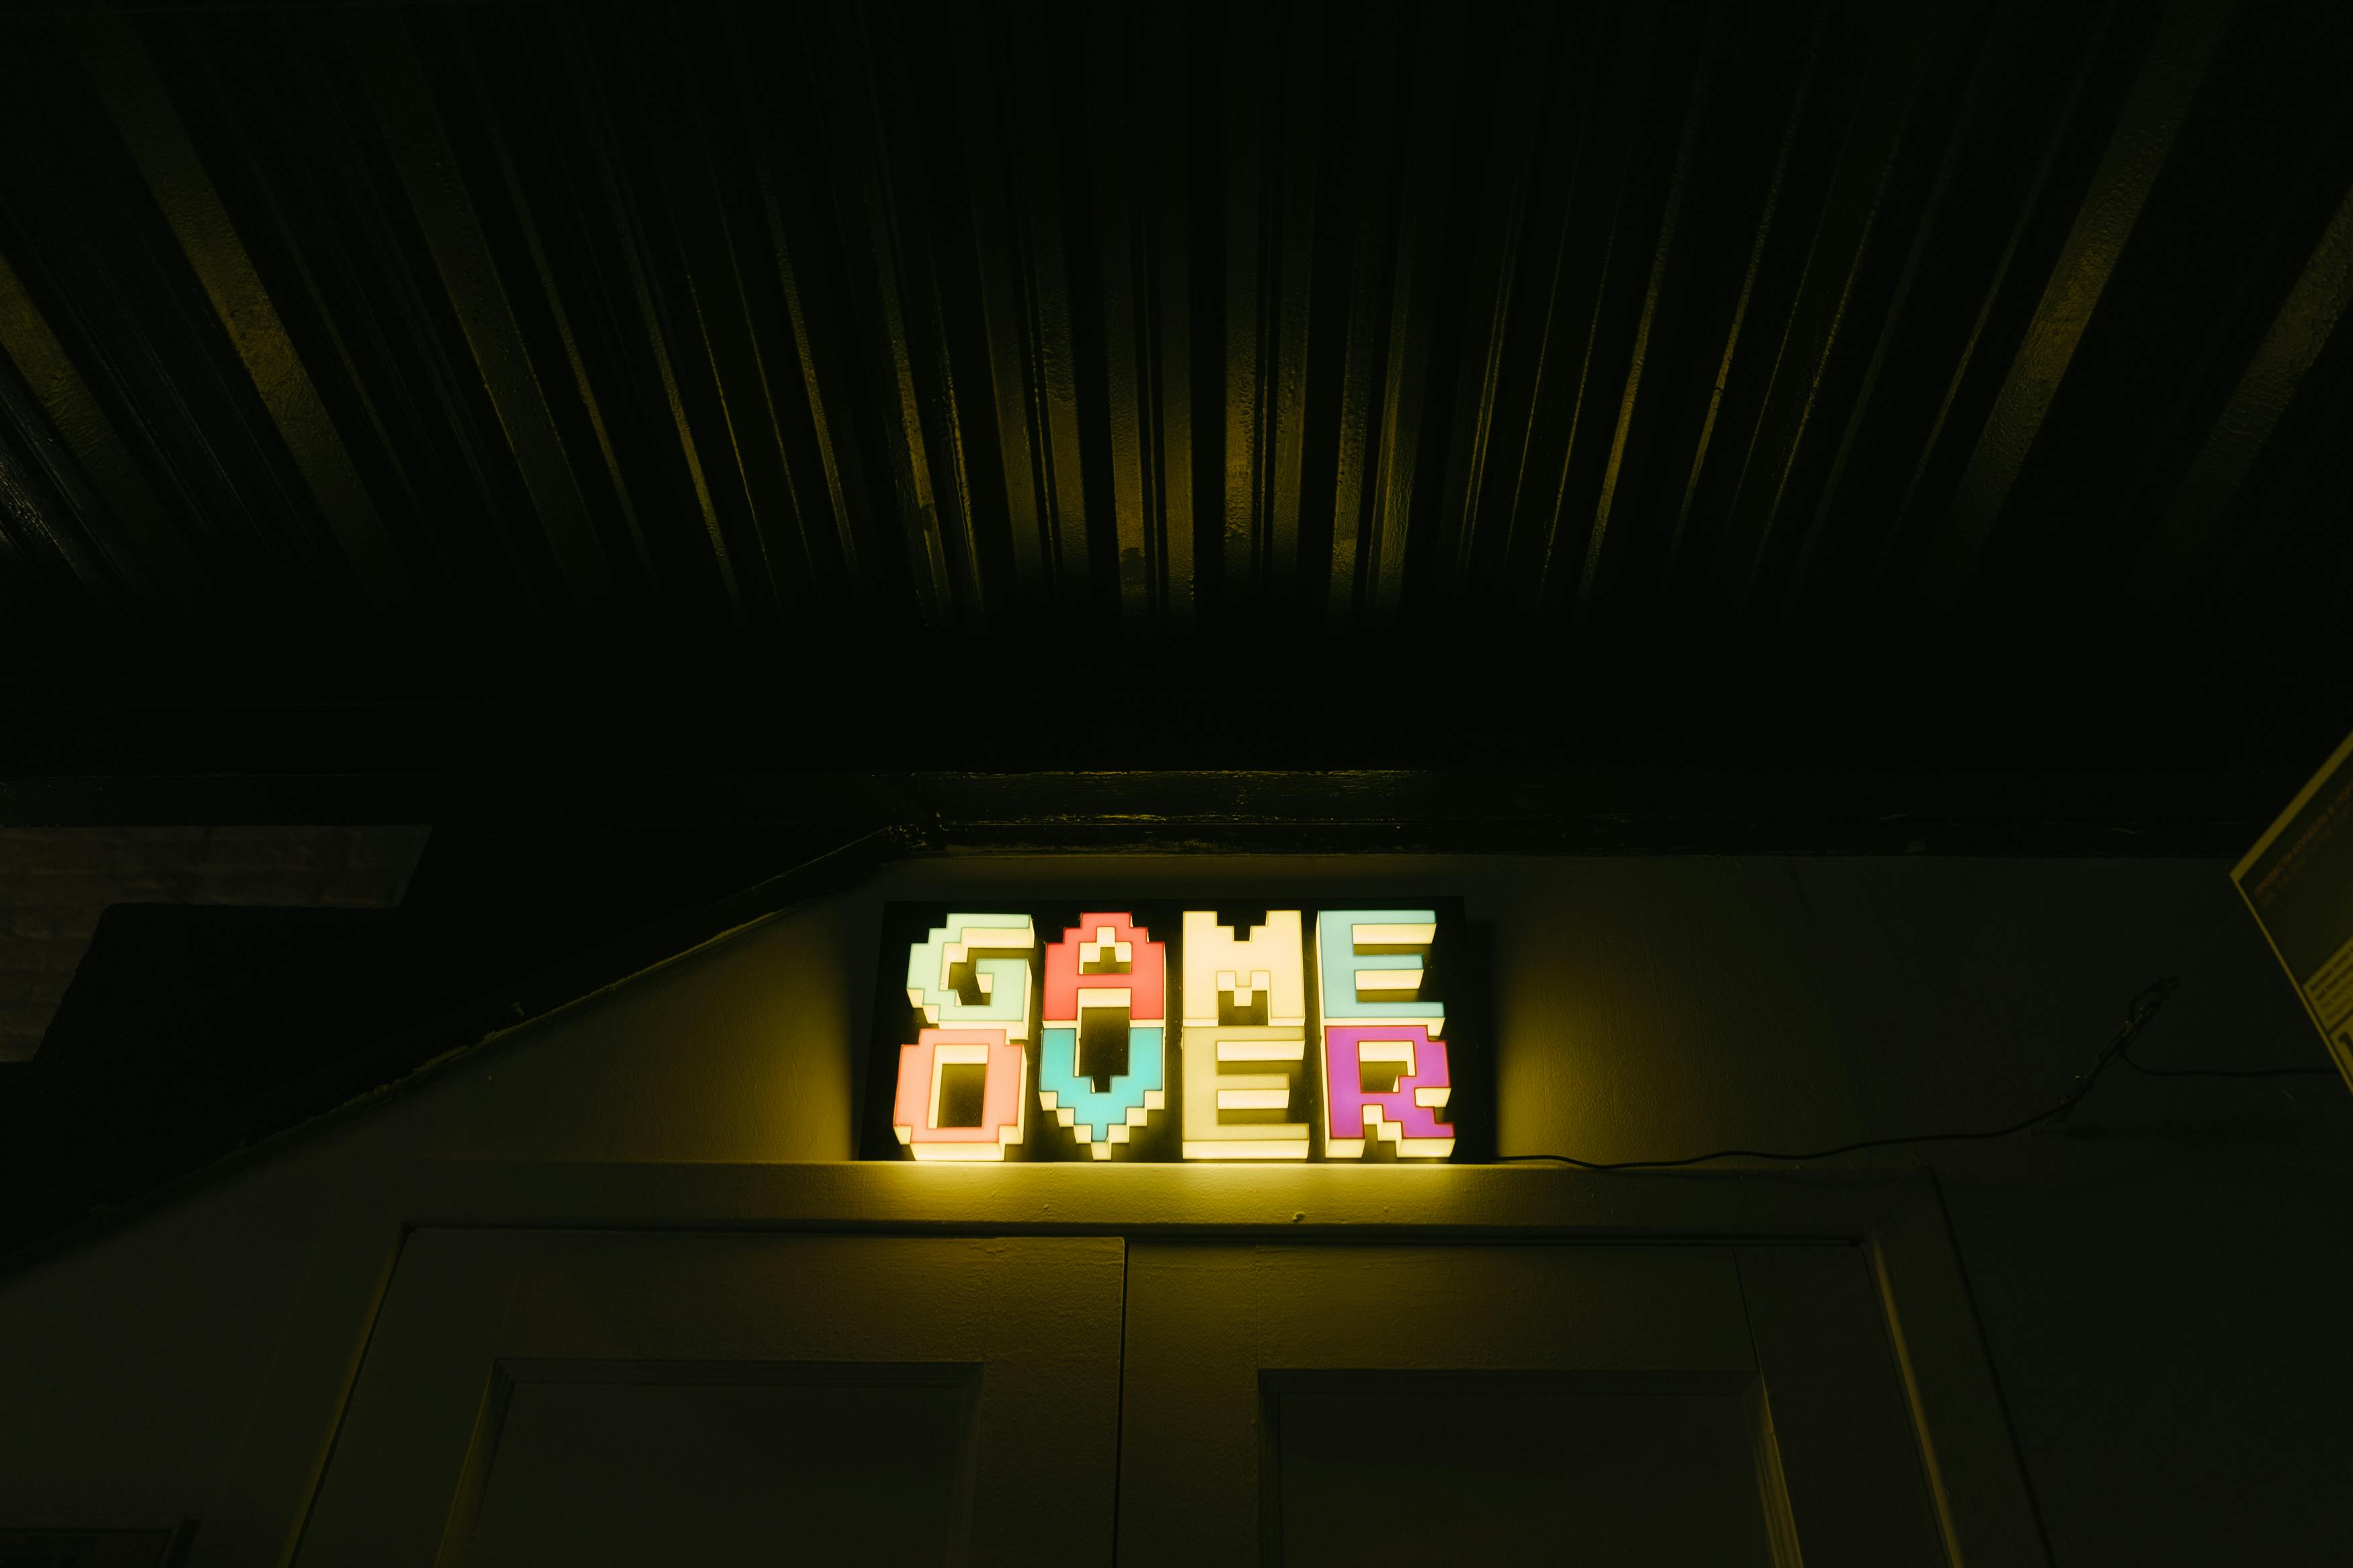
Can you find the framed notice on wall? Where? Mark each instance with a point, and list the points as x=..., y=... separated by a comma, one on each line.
x=1114, y=1030
x=2298, y=880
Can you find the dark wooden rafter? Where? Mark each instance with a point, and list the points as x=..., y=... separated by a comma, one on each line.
x=1841, y=243
x=635, y=228
x=1595, y=330
x=1575, y=245
x=1800, y=99
x=142, y=115
x=783, y=187
x=1042, y=241
x=1023, y=448
x=162, y=374
x=127, y=522
x=2184, y=43
x=1435, y=60
x=1597, y=810
x=2299, y=335
x=873, y=221
x=724, y=300
x=1245, y=177
x=922, y=228
x=1119, y=108
x=48, y=523
x=1164, y=68
x=408, y=365
x=1996, y=38
x=275, y=200
x=1713, y=47
x=1374, y=194
x=507, y=137
x=1997, y=281
x=678, y=168
x=413, y=130
x=1287, y=221
x=1519, y=90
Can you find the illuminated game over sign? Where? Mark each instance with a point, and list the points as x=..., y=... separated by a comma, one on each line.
x=1118, y=1030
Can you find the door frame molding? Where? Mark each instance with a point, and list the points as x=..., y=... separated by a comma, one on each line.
x=1894, y=1213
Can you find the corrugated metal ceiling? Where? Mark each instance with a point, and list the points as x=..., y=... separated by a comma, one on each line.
x=494, y=326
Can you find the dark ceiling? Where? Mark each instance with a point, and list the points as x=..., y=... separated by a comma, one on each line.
x=660, y=445
x=1944, y=386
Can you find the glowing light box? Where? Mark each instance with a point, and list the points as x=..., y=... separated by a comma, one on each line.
x=1120, y=1029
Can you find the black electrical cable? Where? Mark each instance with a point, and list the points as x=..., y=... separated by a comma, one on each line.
x=2124, y=1052
x=2228, y=1072
x=2144, y=1008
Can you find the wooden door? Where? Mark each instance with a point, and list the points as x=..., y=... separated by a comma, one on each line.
x=592, y=1398
x=1528, y=1404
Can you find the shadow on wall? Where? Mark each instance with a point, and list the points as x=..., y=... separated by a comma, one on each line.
x=189, y=1029
x=57, y=883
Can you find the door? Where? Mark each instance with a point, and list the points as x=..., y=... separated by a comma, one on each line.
x=1529, y=1403
x=605, y=1398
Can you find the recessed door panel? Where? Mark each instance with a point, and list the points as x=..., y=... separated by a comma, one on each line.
x=829, y=1398
x=1411, y=1468
x=616, y=1465
x=1529, y=1403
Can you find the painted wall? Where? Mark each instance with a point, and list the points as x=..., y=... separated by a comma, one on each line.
x=2162, y=1286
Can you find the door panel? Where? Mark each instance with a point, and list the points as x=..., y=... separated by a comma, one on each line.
x=1428, y=1468
x=1853, y=1467
x=508, y=1369
x=1276, y=1394
x=616, y=1465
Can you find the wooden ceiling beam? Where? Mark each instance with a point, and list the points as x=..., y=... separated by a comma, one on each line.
x=2185, y=42
x=2306, y=318
x=142, y=113
x=1595, y=810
